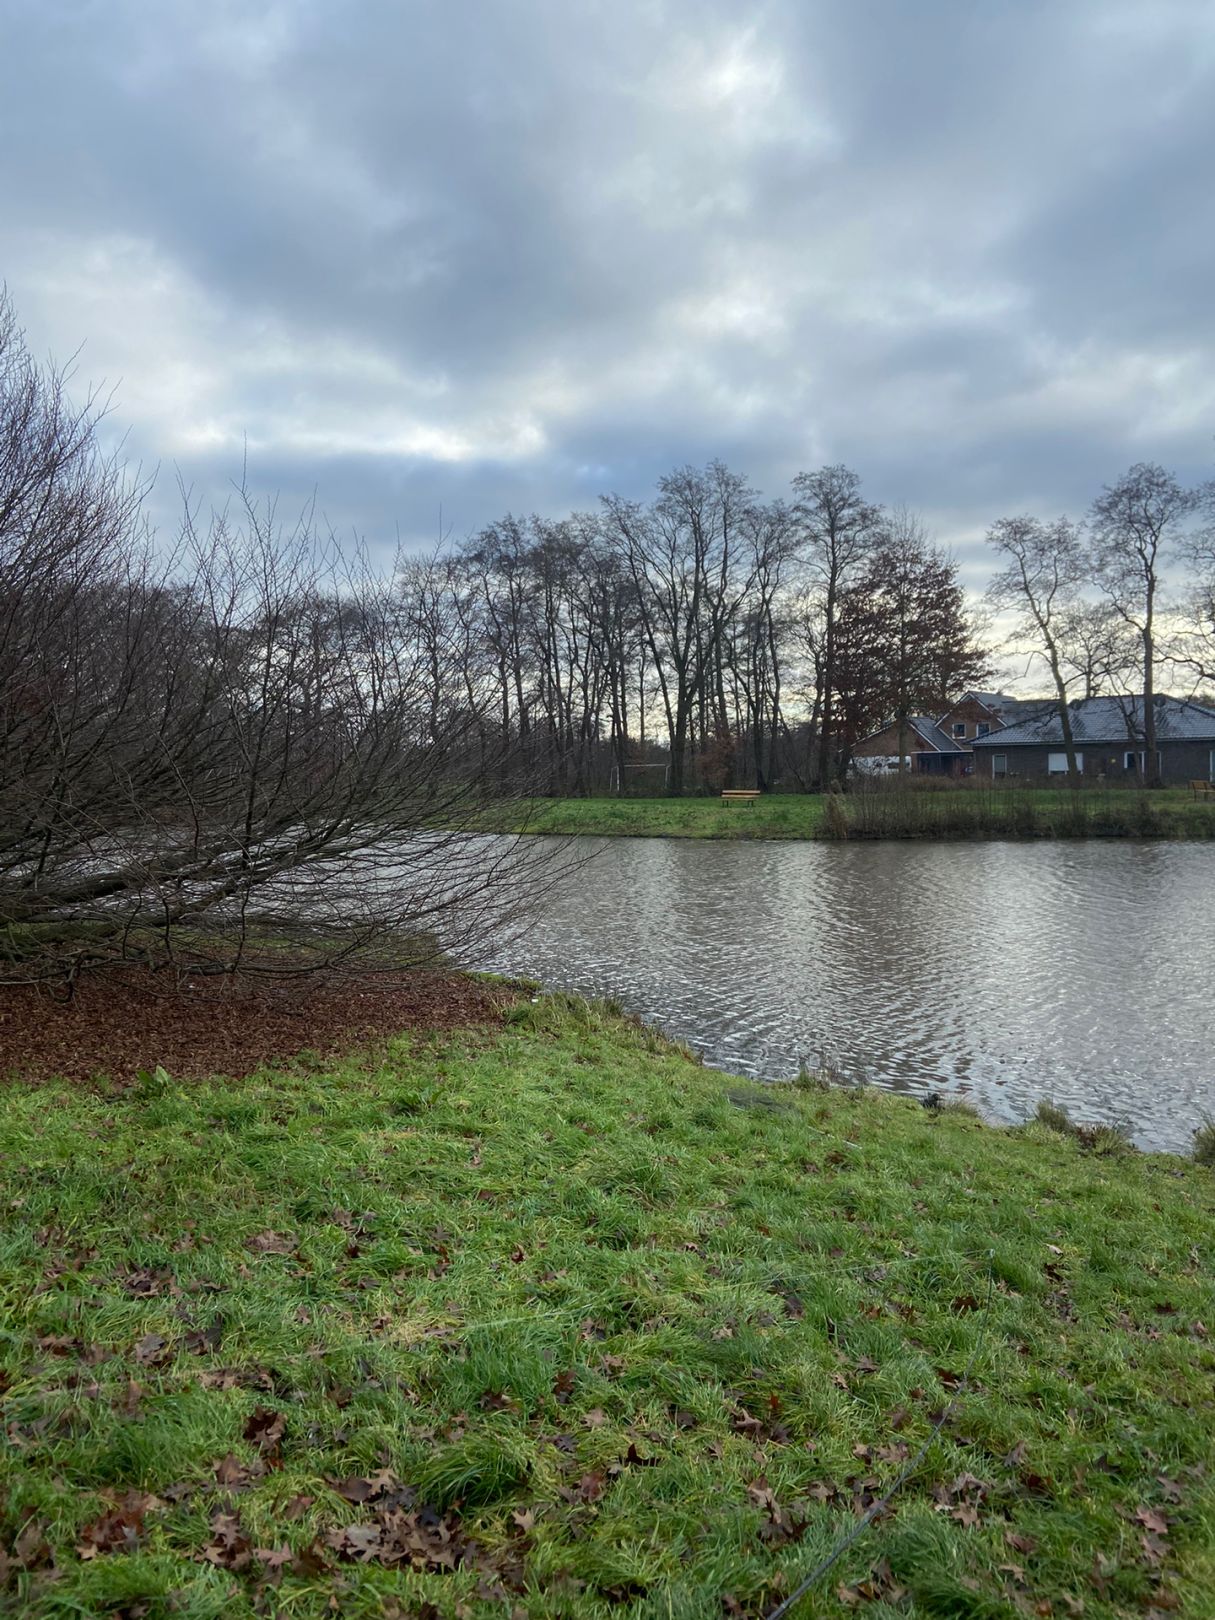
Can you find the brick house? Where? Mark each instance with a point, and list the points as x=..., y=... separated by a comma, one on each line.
x=941, y=747
x=927, y=749
x=975, y=714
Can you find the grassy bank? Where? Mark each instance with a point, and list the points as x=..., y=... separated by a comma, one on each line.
x=547, y=1320
x=884, y=811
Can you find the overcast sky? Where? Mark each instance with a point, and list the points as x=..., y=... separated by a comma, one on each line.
x=516, y=253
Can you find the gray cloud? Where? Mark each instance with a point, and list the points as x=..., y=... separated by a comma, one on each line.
x=486, y=256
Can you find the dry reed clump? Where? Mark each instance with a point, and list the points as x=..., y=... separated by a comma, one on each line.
x=924, y=807
x=1103, y=1139
x=836, y=822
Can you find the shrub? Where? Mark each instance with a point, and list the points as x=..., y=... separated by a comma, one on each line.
x=1204, y=1144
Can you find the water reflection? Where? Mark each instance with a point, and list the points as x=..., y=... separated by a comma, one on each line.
x=1006, y=972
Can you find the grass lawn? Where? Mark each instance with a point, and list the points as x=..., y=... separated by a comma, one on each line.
x=974, y=811
x=547, y=1320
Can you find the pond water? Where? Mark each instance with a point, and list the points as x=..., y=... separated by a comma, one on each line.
x=1003, y=972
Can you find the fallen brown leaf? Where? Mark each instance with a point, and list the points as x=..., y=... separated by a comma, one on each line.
x=270, y=1242
x=234, y=1475
x=229, y=1547
x=120, y=1528
x=146, y=1282
x=265, y=1428
x=202, y=1341
x=1020, y=1543
x=152, y=1351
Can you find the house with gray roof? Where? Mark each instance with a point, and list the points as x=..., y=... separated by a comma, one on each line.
x=941, y=746
x=1108, y=736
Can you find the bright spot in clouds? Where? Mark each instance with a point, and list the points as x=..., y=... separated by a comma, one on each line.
x=492, y=257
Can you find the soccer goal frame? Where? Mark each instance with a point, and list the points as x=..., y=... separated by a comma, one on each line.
x=614, y=780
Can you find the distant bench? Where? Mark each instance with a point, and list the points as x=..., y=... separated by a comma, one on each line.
x=1202, y=789
x=739, y=795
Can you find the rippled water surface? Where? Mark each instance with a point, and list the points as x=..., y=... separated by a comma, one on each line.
x=1006, y=972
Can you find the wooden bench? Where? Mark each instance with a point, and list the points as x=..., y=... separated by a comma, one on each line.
x=1202, y=789
x=739, y=795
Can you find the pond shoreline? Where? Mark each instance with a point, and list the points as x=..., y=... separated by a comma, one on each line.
x=1006, y=973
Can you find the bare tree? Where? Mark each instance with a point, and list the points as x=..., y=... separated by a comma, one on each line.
x=1044, y=565
x=838, y=530
x=498, y=560
x=608, y=602
x=1093, y=648
x=1133, y=523
x=757, y=651
x=689, y=564
x=240, y=753
x=1196, y=649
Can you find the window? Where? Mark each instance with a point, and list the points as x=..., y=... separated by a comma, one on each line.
x=1133, y=762
x=1056, y=764
x=959, y=728
x=999, y=764
x=983, y=728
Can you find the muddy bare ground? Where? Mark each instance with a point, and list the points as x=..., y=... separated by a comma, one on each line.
x=130, y=1019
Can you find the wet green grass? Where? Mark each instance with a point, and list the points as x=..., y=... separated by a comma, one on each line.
x=784, y=815
x=645, y=1338
x=973, y=811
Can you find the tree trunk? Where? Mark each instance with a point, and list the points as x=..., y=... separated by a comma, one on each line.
x=1151, y=762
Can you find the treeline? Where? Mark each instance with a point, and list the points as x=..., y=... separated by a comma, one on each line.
x=710, y=638
x=701, y=639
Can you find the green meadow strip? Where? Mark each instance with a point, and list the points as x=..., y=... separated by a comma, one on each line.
x=918, y=810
